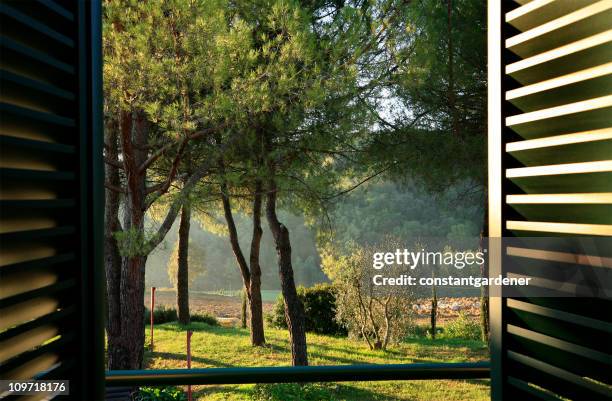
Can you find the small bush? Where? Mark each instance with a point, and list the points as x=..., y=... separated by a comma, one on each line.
x=204, y=318
x=462, y=327
x=319, y=306
x=161, y=314
x=161, y=394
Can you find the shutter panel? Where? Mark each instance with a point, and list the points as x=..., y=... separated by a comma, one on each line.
x=550, y=164
x=51, y=193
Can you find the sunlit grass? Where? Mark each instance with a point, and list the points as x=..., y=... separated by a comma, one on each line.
x=230, y=347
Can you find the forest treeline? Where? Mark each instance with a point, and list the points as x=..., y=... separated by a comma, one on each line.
x=253, y=117
x=371, y=212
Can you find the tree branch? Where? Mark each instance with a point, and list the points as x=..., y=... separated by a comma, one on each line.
x=115, y=188
x=195, y=135
x=188, y=186
x=358, y=184
x=113, y=162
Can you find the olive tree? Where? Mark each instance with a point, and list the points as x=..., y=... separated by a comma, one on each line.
x=378, y=315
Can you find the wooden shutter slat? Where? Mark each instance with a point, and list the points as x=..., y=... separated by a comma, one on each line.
x=37, y=234
x=539, y=12
x=579, y=213
x=53, y=317
x=36, y=115
x=565, y=183
x=547, y=199
x=36, y=145
x=41, y=292
x=29, y=309
x=561, y=381
x=550, y=165
x=578, y=24
x=529, y=391
x=50, y=164
x=53, y=6
x=559, y=228
x=561, y=344
x=579, y=152
x=575, y=333
x=41, y=87
x=561, y=315
x=575, y=56
x=32, y=55
x=54, y=347
x=35, y=25
x=37, y=175
x=32, y=367
x=18, y=344
x=598, y=166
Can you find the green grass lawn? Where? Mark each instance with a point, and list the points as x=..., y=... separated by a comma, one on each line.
x=230, y=347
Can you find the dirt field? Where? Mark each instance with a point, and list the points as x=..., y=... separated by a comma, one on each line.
x=228, y=307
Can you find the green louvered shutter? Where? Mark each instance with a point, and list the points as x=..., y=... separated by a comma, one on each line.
x=51, y=193
x=550, y=166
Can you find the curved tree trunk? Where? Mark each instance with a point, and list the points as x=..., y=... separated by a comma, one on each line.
x=255, y=304
x=182, y=282
x=233, y=237
x=294, y=310
x=251, y=275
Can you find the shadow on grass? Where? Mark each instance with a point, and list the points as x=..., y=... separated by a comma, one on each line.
x=183, y=357
x=315, y=392
x=425, y=347
x=225, y=389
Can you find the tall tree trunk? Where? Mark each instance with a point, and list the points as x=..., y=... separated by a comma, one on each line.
x=112, y=258
x=130, y=341
x=233, y=237
x=484, y=291
x=434, y=311
x=243, y=309
x=255, y=304
x=251, y=275
x=126, y=344
x=182, y=282
x=294, y=310
x=132, y=311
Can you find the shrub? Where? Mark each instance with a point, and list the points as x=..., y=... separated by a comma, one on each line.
x=205, y=318
x=161, y=394
x=161, y=314
x=462, y=327
x=319, y=306
x=379, y=317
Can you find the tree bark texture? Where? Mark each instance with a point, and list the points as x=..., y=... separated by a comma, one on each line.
x=250, y=272
x=112, y=258
x=294, y=310
x=128, y=343
x=182, y=282
x=434, y=311
x=255, y=302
